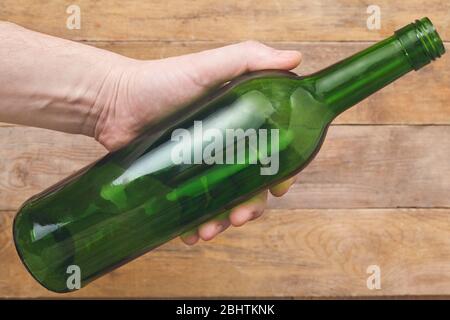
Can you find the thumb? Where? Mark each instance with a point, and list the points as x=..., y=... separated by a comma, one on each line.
x=213, y=67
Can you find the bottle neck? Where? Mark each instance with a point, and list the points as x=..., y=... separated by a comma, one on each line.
x=349, y=81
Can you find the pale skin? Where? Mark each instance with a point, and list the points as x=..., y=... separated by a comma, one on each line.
x=62, y=85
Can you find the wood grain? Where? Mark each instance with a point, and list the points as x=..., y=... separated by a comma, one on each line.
x=376, y=167
x=358, y=167
x=286, y=253
x=418, y=98
x=287, y=20
x=390, y=151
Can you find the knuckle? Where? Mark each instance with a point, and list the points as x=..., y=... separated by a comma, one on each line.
x=253, y=45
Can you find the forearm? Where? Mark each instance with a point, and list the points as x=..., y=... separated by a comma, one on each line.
x=54, y=83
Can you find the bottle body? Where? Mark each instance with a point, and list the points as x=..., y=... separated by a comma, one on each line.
x=143, y=195
x=255, y=132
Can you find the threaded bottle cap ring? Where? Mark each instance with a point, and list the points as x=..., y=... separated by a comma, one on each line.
x=430, y=39
x=421, y=42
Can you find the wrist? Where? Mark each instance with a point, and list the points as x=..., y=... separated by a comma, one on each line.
x=55, y=83
x=98, y=93
x=109, y=113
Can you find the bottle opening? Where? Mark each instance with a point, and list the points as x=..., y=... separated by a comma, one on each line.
x=430, y=38
x=421, y=42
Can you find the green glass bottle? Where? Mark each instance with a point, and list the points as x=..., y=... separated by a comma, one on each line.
x=254, y=132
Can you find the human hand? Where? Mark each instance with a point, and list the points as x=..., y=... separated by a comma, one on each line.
x=146, y=91
x=67, y=86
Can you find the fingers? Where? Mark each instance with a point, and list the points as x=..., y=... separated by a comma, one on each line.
x=210, y=229
x=191, y=237
x=249, y=210
x=213, y=67
x=283, y=187
x=238, y=216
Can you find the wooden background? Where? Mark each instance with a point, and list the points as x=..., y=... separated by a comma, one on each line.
x=377, y=194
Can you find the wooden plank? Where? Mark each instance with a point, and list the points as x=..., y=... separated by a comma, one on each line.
x=398, y=103
x=376, y=167
x=402, y=102
x=298, y=253
x=358, y=167
x=285, y=20
x=34, y=158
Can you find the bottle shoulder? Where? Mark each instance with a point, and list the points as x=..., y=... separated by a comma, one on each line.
x=268, y=73
x=268, y=79
x=263, y=77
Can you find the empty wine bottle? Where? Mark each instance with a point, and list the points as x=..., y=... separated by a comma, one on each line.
x=251, y=134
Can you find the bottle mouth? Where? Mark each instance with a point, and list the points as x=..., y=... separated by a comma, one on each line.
x=431, y=41
x=421, y=42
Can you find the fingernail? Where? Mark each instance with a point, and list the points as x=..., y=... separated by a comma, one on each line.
x=256, y=214
x=219, y=228
x=250, y=215
x=191, y=239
